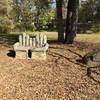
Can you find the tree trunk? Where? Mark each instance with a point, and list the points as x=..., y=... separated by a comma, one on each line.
x=60, y=26
x=71, y=21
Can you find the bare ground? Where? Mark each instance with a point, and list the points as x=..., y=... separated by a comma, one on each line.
x=60, y=77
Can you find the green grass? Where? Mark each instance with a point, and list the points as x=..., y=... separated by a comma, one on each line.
x=93, y=38
x=50, y=35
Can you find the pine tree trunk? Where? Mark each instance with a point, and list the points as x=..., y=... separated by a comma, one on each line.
x=60, y=26
x=71, y=21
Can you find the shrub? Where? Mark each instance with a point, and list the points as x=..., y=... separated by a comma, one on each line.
x=6, y=25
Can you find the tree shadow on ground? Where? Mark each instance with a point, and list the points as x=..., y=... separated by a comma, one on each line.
x=54, y=42
x=93, y=70
x=69, y=59
x=90, y=70
x=67, y=49
x=94, y=73
x=11, y=53
x=8, y=39
x=79, y=60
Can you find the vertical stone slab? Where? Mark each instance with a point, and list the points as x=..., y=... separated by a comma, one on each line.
x=30, y=42
x=27, y=40
x=24, y=39
x=41, y=40
x=34, y=42
x=22, y=54
x=37, y=40
x=20, y=40
x=27, y=55
x=38, y=55
x=45, y=39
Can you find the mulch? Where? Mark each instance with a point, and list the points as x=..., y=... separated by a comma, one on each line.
x=59, y=77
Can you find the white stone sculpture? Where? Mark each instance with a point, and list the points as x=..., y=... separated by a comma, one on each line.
x=38, y=46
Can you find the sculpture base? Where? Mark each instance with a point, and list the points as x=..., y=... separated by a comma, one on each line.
x=21, y=54
x=38, y=55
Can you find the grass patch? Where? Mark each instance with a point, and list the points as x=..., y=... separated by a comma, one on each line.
x=50, y=35
x=93, y=38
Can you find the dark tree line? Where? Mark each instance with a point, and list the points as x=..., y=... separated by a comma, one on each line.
x=25, y=15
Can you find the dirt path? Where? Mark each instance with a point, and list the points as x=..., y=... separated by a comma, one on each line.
x=60, y=77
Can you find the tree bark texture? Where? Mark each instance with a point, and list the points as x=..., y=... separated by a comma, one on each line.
x=71, y=21
x=60, y=26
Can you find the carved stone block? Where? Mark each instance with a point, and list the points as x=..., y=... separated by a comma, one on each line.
x=38, y=47
x=38, y=55
x=21, y=54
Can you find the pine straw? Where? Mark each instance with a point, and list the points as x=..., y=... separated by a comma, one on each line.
x=60, y=77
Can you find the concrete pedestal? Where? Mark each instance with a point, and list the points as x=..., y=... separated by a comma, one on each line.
x=38, y=55
x=21, y=54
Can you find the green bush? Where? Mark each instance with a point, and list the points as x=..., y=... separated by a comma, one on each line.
x=6, y=25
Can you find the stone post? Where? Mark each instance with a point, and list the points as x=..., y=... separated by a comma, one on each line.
x=44, y=39
x=30, y=42
x=27, y=40
x=20, y=40
x=24, y=38
x=22, y=54
x=37, y=40
x=41, y=40
x=34, y=42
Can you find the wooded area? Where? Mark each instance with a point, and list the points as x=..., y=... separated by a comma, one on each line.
x=28, y=15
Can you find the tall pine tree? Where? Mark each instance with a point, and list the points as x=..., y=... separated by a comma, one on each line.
x=60, y=27
x=71, y=21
